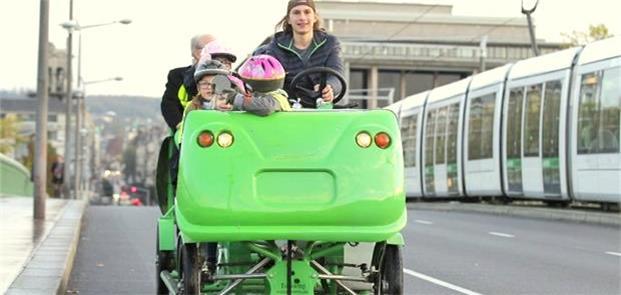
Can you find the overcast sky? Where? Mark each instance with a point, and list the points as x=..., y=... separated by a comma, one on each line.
x=158, y=38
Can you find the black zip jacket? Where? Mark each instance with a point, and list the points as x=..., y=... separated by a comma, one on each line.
x=171, y=107
x=325, y=52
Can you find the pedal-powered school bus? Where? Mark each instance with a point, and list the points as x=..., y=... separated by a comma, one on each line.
x=282, y=197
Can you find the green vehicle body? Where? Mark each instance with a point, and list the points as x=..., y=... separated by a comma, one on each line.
x=290, y=176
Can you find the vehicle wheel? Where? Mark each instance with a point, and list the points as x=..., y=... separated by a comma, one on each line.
x=390, y=278
x=165, y=260
x=191, y=269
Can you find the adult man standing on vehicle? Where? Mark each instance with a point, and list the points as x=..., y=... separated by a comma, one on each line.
x=176, y=94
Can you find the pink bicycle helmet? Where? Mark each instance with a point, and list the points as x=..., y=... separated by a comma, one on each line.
x=215, y=49
x=263, y=73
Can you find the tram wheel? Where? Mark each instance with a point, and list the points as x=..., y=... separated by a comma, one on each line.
x=389, y=262
x=190, y=269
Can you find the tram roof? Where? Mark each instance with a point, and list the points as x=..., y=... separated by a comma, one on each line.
x=600, y=50
x=491, y=77
x=449, y=90
x=413, y=101
x=544, y=63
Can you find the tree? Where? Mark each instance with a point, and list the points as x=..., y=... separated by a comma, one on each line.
x=27, y=161
x=595, y=32
x=9, y=134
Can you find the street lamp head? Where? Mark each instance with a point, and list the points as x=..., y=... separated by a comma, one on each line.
x=125, y=21
x=70, y=25
x=529, y=6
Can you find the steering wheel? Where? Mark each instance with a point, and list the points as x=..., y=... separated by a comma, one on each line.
x=309, y=96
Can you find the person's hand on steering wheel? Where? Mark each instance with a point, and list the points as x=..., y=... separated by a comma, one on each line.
x=327, y=94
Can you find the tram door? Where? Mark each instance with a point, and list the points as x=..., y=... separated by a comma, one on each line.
x=550, y=138
x=532, y=178
x=441, y=172
x=409, y=138
x=428, y=159
x=513, y=143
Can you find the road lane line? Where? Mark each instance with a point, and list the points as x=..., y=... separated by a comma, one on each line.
x=439, y=282
x=423, y=221
x=613, y=253
x=493, y=233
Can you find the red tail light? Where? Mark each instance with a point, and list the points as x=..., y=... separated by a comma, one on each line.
x=205, y=139
x=382, y=140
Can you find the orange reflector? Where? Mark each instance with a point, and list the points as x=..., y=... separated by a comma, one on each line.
x=225, y=139
x=363, y=139
x=382, y=140
x=205, y=139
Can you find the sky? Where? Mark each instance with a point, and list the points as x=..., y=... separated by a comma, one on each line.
x=158, y=37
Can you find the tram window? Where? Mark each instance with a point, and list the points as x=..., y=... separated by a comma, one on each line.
x=599, y=112
x=480, y=127
x=429, y=135
x=408, y=138
x=440, y=145
x=551, y=113
x=451, y=138
x=514, y=123
x=531, y=122
x=608, y=135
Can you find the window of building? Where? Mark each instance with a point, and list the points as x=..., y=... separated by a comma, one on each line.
x=417, y=82
x=481, y=126
x=446, y=78
x=389, y=79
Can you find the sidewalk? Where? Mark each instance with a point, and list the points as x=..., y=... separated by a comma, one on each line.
x=37, y=255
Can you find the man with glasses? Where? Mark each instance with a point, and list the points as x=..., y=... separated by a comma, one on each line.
x=176, y=95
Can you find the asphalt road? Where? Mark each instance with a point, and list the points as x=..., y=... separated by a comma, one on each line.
x=446, y=253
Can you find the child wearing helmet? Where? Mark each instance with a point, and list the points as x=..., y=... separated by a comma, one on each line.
x=265, y=77
x=261, y=95
x=214, y=50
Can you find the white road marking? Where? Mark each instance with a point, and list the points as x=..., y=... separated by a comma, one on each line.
x=439, y=282
x=613, y=253
x=423, y=221
x=493, y=233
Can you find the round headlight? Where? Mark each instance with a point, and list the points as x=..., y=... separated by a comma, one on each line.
x=225, y=139
x=363, y=139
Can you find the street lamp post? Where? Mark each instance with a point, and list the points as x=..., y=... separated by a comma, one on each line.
x=80, y=132
x=528, y=9
x=40, y=155
x=71, y=26
x=68, y=101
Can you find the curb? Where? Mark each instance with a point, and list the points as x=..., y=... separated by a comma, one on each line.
x=578, y=216
x=49, y=266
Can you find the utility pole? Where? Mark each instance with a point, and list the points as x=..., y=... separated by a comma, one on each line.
x=68, y=102
x=40, y=150
x=528, y=9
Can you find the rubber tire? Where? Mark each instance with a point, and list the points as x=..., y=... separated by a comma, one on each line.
x=391, y=272
x=191, y=269
x=165, y=261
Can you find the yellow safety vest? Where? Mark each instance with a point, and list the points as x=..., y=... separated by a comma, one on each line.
x=183, y=96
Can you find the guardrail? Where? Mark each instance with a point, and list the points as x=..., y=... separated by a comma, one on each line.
x=14, y=178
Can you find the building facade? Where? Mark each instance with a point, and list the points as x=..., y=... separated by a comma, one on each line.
x=393, y=50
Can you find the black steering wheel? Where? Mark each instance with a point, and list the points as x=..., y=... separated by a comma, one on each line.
x=309, y=96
